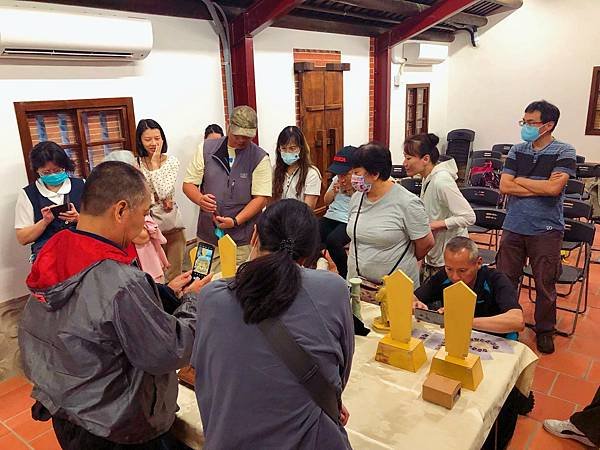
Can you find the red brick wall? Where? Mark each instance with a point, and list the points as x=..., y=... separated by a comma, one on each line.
x=371, y=87
x=224, y=87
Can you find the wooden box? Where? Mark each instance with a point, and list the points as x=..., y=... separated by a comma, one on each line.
x=441, y=390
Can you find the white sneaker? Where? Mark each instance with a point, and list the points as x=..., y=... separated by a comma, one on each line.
x=565, y=429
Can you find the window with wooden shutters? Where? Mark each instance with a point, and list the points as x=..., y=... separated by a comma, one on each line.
x=593, y=118
x=88, y=130
x=417, y=109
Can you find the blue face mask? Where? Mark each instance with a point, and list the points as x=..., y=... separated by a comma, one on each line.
x=529, y=133
x=290, y=158
x=54, y=179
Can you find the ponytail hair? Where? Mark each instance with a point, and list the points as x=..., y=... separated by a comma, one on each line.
x=267, y=286
x=421, y=145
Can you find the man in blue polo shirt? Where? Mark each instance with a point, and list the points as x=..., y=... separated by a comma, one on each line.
x=535, y=174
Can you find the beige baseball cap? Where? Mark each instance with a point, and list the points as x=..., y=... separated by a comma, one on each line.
x=243, y=121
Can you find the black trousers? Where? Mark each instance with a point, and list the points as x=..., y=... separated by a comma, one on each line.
x=588, y=420
x=334, y=238
x=73, y=437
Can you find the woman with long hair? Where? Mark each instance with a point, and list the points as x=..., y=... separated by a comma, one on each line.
x=295, y=176
x=247, y=396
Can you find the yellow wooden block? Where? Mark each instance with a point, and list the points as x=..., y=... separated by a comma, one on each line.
x=193, y=252
x=467, y=370
x=459, y=308
x=408, y=356
x=228, y=255
x=398, y=299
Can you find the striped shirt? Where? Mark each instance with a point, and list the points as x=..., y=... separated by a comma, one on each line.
x=535, y=215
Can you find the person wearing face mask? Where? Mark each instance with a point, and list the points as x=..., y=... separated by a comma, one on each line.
x=535, y=174
x=35, y=223
x=294, y=175
x=107, y=379
x=161, y=171
x=247, y=395
x=231, y=180
x=449, y=212
x=388, y=225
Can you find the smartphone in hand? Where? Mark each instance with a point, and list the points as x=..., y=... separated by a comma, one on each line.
x=203, y=261
x=59, y=209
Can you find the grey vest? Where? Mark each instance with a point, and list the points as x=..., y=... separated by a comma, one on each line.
x=231, y=186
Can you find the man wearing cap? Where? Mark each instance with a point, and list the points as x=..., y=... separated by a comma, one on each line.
x=333, y=224
x=230, y=179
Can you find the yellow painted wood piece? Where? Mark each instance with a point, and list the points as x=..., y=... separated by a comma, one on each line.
x=408, y=356
x=466, y=370
x=459, y=309
x=228, y=255
x=399, y=295
x=193, y=252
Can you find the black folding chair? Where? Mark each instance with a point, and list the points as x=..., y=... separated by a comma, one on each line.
x=398, y=171
x=502, y=148
x=459, y=145
x=583, y=234
x=576, y=210
x=490, y=219
x=486, y=154
x=576, y=189
x=479, y=197
x=412, y=185
x=579, y=159
x=588, y=170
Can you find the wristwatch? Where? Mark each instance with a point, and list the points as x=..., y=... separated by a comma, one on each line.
x=235, y=222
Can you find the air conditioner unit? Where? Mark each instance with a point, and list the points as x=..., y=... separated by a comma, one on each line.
x=421, y=54
x=39, y=34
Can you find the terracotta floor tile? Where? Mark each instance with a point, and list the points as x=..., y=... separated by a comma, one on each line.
x=46, y=441
x=547, y=407
x=3, y=430
x=11, y=442
x=15, y=402
x=26, y=427
x=566, y=362
x=594, y=373
x=526, y=429
x=543, y=379
x=12, y=383
x=545, y=441
x=574, y=390
x=585, y=345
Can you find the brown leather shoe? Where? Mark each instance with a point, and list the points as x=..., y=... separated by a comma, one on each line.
x=545, y=343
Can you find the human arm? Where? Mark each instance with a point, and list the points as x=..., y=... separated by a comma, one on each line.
x=253, y=207
x=26, y=230
x=207, y=202
x=508, y=186
x=423, y=245
x=311, y=200
x=461, y=212
x=507, y=322
x=71, y=216
x=416, y=225
x=312, y=187
x=552, y=187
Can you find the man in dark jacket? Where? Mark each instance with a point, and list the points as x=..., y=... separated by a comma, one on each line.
x=94, y=337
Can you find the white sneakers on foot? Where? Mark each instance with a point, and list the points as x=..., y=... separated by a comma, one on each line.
x=565, y=429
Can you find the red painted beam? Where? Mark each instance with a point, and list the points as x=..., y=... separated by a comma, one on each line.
x=409, y=27
x=242, y=68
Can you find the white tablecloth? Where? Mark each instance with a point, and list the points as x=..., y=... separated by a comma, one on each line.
x=386, y=408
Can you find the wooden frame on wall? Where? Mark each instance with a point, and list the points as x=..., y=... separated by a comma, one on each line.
x=593, y=106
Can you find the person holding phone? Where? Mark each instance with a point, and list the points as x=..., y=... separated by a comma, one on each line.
x=51, y=203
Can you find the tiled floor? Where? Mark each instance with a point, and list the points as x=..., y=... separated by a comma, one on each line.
x=564, y=382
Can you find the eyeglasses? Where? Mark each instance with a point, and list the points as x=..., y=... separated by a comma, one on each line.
x=522, y=122
x=290, y=149
x=50, y=172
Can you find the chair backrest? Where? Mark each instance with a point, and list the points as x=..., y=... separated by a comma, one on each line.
x=445, y=157
x=580, y=159
x=588, y=170
x=482, y=196
x=576, y=209
x=412, y=185
x=502, y=148
x=576, y=231
x=398, y=171
x=574, y=187
x=490, y=218
x=459, y=144
x=486, y=154
x=497, y=164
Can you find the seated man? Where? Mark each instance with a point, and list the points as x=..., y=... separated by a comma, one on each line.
x=497, y=310
x=95, y=340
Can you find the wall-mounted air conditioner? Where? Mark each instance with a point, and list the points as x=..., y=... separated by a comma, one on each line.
x=423, y=54
x=39, y=34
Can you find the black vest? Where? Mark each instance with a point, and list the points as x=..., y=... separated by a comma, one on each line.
x=39, y=201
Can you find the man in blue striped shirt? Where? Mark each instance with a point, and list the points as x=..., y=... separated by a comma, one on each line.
x=534, y=177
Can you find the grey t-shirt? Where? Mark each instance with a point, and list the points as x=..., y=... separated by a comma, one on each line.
x=248, y=398
x=384, y=230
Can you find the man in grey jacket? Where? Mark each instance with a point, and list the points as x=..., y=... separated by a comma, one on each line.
x=95, y=339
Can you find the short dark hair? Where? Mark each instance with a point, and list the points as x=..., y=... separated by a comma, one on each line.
x=49, y=151
x=148, y=124
x=548, y=112
x=213, y=128
x=374, y=158
x=111, y=182
x=289, y=231
x=458, y=243
x=423, y=144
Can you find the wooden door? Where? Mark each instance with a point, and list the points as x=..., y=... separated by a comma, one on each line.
x=322, y=114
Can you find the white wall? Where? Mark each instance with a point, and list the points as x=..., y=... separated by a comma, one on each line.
x=546, y=49
x=274, y=78
x=178, y=84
